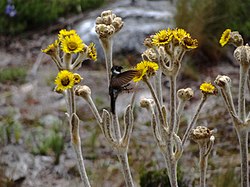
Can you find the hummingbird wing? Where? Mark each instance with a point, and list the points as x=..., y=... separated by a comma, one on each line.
x=123, y=78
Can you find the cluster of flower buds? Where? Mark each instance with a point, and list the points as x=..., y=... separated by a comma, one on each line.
x=108, y=24
x=201, y=134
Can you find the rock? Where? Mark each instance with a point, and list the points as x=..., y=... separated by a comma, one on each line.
x=140, y=21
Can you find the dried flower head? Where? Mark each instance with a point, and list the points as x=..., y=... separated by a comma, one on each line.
x=150, y=55
x=64, y=80
x=242, y=55
x=225, y=37
x=147, y=103
x=145, y=68
x=222, y=80
x=201, y=134
x=107, y=24
x=83, y=91
x=185, y=94
x=163, y=37
x=72, y=44
x=208, y=88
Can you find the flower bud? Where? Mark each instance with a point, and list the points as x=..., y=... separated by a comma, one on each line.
x=148, y=41
x=222, y=80
x=104, y=31
x=147, y=103
x=201, y=134
x=185, y=94
x=106, y=13
x=242, y=55
x=83, y=91
x=236, y=38
x=117, y=23
x=150, y=55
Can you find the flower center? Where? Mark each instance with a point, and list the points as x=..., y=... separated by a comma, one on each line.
x=65, y=81
x=72, y=46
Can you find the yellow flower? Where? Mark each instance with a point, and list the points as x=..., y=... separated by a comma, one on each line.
x=52, y=48
x=163, y=37
x=189, y=43
x=179, y=34
x=145, y=68
x=64, y=80
x=92, y=52
x=72, y=44
x=64, y=33
x=208, y=88
x=225, y=37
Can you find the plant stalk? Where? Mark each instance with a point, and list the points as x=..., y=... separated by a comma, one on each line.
x=75, y=137
x=107, y=45
x=203, y=165
x=243, y=140
x=123, y=158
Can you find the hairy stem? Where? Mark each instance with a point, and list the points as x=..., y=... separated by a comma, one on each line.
x=172, y=121
x=158, y=86
x=75, y=137
x=116, y=127
x=241, y=99
x=158, y=105
x=123, y=158
x=203, y=165
x=243, y=140
x=107, y=45
x=83, y=173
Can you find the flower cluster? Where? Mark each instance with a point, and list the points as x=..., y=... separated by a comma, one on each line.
x=69, y=43
x=108, y=24
x=177, y=36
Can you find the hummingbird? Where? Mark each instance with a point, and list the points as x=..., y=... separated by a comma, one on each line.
x=119, y=82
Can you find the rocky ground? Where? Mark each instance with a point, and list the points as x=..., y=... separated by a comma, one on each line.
x=33, y=112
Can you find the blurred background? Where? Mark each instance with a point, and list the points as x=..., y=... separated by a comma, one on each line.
x=35, y=147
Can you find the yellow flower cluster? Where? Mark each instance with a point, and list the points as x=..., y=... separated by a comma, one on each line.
x=179, y=36
x=145, y=68
x=71, y=43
